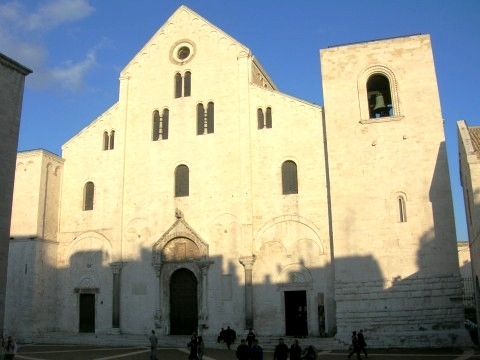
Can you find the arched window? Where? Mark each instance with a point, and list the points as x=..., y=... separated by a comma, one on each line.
x=187, y=84
x=112, y=139
x=269, y=118
x=105, y=140
x=260, y=118
x=181, y=181
x=88, y=194
x=379, y=96
x=178, y=85
x=289, y=178
x=156, y=125
x=200, y=119
x=210, y=118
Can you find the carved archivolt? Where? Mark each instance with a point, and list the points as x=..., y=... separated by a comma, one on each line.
x=180, y=243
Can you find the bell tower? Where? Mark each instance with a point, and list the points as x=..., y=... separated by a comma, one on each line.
x=392, y=222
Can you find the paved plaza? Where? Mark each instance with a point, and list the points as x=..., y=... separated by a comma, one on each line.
x=70, y=352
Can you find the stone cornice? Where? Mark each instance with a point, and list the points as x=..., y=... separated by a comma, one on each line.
x=12, y=64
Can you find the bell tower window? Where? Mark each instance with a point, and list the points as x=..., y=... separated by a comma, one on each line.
x=379, y=96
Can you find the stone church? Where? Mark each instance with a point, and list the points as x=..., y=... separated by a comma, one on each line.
x=205, y=198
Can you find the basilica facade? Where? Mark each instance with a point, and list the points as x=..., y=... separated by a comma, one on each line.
x=205, y=198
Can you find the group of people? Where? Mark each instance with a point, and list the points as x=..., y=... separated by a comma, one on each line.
x=295, y=351
x=358, y=345
x=249, y=348
x=9, y=348
x=228, y=336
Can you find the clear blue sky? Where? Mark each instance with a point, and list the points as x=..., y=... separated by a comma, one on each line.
x=77, y=48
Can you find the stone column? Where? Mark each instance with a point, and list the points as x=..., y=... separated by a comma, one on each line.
x=158, y=307
x=247, y=262
x=204, y=311
x=117, y=269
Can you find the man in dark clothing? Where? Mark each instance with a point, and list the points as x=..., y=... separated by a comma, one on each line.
x=281, y=351
x=243, y=351
x=295, y=351
x=361, y=343
x=355, y=347
x=193, y=346
x=256, y=351
x=250, y=337
x=229, y=337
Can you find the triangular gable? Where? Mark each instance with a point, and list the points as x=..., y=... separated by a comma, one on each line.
x=183, y=16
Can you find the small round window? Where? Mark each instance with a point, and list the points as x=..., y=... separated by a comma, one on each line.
x=183, y=53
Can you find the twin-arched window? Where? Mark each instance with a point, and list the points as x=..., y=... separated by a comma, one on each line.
x=183, y=84
x=264, y=121
x=108, y=140
x=160, y=125
x=205, y=118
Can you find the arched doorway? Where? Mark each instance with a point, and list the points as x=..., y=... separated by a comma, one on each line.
x=183, y=303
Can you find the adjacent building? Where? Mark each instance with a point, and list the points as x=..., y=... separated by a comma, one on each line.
x=205, y=198
x=469, y=158
x=12, y=81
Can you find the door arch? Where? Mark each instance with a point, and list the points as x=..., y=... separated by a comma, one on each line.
x=183, y=302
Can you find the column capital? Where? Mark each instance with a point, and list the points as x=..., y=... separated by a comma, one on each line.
x=117, y=266
x=247, y=261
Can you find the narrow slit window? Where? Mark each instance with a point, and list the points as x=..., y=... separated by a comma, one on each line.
x=164, y=124
x=156, y=125
x=260, y=118
x=187, y=84
x=105, y=140
x=210, y=118
x=200, y=119
x=112, y=139
x=269, y=118
x=402, y=210
x=178, y=85
x=289, y=178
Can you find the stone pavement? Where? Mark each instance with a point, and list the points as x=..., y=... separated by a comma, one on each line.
x=72, y=352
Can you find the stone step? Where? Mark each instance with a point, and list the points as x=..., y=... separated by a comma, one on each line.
x=176, y=341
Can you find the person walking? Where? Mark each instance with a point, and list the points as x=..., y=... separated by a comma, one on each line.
x=229, y=337
x=243, y=351
x=295, y=351
x=10, y=348
x=355, y=347
x=200, y=348
x=281, y=351
x=310, y=353
x=361, y=343
x=256, y=351
x=193, y=346
x=153, y=345
x=250, y=337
